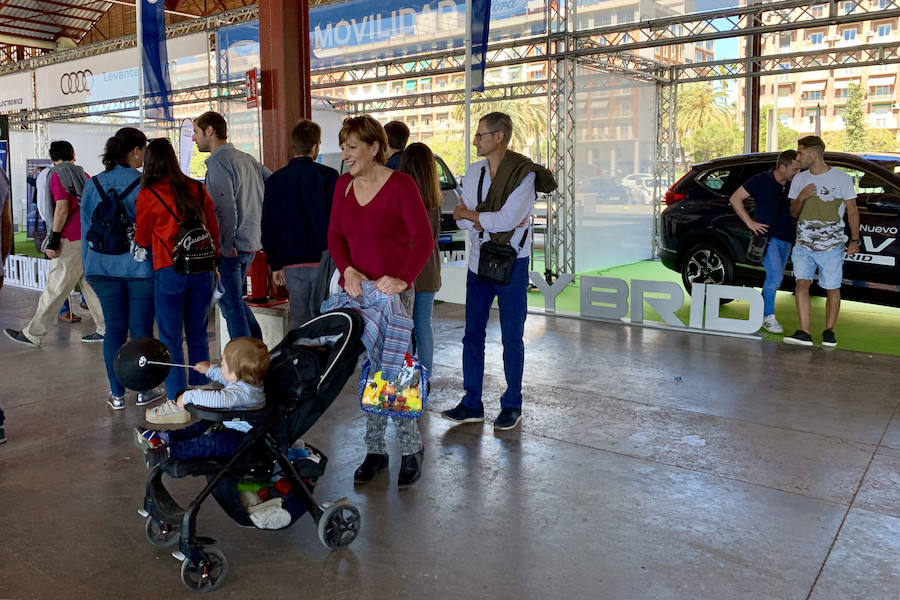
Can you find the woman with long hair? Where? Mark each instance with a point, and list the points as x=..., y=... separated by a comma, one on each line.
x=123, y=282
x=379, y=238
x=417, y=161
x=168, y=197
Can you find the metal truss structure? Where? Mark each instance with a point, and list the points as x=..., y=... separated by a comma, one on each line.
x=563, y=49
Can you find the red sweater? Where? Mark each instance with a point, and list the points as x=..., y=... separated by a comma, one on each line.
x=390, y=235
x=156, y=225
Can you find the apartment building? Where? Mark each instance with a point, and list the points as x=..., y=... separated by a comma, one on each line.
x=612, y=116
x=796, y=96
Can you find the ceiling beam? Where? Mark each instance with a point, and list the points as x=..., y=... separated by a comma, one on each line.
x=12, y=22
x=72, y=6
x=18, y=40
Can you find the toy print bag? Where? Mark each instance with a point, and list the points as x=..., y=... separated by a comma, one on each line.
x=404, y=397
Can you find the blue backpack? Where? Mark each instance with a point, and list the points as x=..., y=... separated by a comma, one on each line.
x=108, y=233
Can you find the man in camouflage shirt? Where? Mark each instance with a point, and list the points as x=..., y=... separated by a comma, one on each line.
x=820, y=195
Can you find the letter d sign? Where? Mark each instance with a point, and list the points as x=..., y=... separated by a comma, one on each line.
x=714, y=293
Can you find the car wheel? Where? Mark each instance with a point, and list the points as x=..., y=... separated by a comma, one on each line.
x=706, y=262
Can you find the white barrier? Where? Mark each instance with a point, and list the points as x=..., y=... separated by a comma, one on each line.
x=26, y=272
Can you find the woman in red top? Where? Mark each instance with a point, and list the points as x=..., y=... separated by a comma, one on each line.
x=379, y=231
x=182, y=301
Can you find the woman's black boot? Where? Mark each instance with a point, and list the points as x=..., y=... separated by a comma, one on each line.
x=410, y=468
x=371, y=466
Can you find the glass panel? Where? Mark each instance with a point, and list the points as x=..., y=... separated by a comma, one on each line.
x=614, y=169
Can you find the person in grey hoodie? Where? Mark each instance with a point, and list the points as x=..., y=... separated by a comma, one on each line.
x=236, y=183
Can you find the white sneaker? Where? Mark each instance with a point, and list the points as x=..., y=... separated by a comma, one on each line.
x=771, y=324
x=167, y=413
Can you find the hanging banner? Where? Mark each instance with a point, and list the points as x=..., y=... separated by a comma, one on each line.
x=186, y=146
x=16, y=92
x=252, y=89
x=154, y=59
x=4, y=145
x=361, y=30
x=481, y=18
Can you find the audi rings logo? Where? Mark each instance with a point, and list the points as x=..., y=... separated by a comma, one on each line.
x=76, y=82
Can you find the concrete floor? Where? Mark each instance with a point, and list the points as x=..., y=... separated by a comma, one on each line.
x=650, y=465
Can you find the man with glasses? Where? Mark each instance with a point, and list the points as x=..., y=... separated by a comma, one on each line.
x=498, y=195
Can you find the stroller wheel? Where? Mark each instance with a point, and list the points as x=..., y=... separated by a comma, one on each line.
x=161, y=535
x=339, y=525
x=206, y=576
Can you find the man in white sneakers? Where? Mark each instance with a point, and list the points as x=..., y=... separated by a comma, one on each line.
x=820, y=195
x=773, y=221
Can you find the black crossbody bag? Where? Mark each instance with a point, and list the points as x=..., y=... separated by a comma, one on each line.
x=497, y=261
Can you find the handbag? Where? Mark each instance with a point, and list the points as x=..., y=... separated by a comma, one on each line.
x=497, y=261
x=404, y=397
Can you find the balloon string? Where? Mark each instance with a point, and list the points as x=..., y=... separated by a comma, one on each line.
x=165, y=364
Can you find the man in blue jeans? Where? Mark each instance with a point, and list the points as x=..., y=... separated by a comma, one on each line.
x=236, y=182
x=769, y=191
x=497, y=199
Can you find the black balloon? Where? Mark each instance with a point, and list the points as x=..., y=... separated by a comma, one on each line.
x=128, y=369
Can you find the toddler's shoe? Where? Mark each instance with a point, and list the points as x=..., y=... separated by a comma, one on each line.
x=147, y=439
x=167, y=413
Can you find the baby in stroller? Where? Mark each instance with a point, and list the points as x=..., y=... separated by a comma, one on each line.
x=245, y=363
x=306, y=372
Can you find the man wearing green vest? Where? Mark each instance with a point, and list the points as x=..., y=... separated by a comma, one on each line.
x=495, y=208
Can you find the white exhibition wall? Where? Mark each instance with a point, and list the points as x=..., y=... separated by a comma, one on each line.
x=615, y=159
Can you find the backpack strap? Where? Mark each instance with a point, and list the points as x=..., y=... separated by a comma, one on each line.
x=130, y=187
x=158, y=197
x=100, y=190
x=125, y=192
x=177, y=220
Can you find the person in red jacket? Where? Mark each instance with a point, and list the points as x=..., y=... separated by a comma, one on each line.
x=379, y=232
x=181, y=301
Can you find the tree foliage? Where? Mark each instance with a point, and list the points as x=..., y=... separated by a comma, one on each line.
x=712, y=140
x=700, y=105
x=881, y=140
x=854, y=120
x=787, y=137
x=529, y=117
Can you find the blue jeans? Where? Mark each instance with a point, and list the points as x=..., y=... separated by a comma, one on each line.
x=182, y=304
x=512, y=299
x=422, y=333
x=238, y=316
x=193, y=441
x=127, y=307
x=777, y=254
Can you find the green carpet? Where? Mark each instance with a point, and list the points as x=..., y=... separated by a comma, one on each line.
x=25, y=245
x=861, y=327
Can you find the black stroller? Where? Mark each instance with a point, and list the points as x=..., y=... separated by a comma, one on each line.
x=302, y=383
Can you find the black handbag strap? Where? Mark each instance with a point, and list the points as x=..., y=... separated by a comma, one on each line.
x=478, y=195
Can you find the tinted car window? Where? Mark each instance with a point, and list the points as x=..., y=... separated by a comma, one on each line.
x=444, y=176
x=715, y=180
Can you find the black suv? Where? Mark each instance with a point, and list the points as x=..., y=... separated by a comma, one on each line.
x=704, y=239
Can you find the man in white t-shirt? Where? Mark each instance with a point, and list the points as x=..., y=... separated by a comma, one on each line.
x=820, y=195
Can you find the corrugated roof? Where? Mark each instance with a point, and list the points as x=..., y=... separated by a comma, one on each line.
x=49, y=20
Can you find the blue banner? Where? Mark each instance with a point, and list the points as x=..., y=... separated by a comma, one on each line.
x=157, y=89
x=481, y=19
x=362, y=30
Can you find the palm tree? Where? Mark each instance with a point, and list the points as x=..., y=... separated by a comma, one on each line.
x=529, y=117
x=700, y=104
